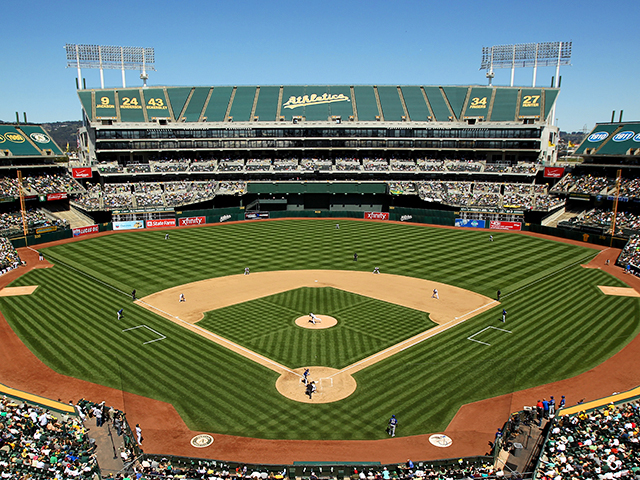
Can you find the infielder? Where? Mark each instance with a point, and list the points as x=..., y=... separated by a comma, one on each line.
x=435, y=294
x=376, y=270
x=246, y=271
x=182, y=299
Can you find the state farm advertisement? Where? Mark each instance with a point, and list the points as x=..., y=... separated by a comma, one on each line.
x=183, y=222
x=376, y=215
x=84, y=172
x=78, y=232
x=496, y=225
x=163, y=222
x=56, y=196
x=553, y=172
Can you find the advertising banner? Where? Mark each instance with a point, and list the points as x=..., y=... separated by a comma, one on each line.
x=78, y=232
x=40, y=230
x=183, y=222
x=256, y=215
x=56, y=196
x=496, y=225
x=130, y=225
x=553, y=172
x=84, y=172
x=460, y=222
x=376, y=215
x=163, y=222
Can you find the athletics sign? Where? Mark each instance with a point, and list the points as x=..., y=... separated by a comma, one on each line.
x=376, y=215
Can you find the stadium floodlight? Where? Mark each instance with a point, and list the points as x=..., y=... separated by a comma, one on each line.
x=526, y=55
x=110, y=57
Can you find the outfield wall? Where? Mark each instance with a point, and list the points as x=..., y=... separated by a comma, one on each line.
x=404, y=214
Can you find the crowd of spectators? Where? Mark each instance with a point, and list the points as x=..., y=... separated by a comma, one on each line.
x=486, y=194
x=35, y=219
x=52, y=183
x=9, y=258
x=625, y=221
x=40, y=185
x=603, y=444
x=340, y=164
x=146, y=194
x=156, y=466
x=586, y=184
x=37, y=443
x=402, y=188
x=630, y=255
x=232, y=188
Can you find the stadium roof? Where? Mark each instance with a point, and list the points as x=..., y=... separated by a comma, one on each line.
x=612, y=139
x=26, y=141
x=318, y=103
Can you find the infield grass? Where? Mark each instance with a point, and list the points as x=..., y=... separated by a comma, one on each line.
x=562, y=324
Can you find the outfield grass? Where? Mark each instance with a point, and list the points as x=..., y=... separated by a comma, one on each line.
x=562, y=324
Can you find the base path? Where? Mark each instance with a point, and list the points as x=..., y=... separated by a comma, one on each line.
x=416, y=293
x=186, y=304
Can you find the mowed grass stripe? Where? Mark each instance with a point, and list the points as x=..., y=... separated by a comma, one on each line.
x=424, y=385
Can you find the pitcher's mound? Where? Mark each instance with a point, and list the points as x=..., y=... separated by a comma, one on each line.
x=325, y=322
x=331, y=385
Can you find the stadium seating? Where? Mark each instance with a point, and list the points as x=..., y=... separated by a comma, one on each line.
x=603, y=444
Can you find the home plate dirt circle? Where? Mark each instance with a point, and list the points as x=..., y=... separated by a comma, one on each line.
x=331, y=385
x=326, y=321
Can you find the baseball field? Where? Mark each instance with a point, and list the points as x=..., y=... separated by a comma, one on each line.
x=218, y=356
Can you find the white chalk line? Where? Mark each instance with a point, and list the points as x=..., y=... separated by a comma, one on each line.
x=91, y=277
x=486, y=328
x=224, y=340
x=552, y=274
x=162, y=337
x=416, y=339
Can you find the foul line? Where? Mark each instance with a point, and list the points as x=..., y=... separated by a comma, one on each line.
x=162, y=337
x=90, y=276
x=221, y=340
x=486, y=328
x=551, y=274
x=415, y=340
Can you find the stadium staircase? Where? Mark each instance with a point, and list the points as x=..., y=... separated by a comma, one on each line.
x=560, y=216
x=75, y=218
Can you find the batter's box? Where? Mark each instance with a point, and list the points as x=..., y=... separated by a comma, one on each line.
x=160, y=336
x=483, y=330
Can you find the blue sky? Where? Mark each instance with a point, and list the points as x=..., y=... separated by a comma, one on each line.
x=322, y=42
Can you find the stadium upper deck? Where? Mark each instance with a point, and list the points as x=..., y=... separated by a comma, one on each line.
x=25, y=144
x=612, y=141
x=496, y=124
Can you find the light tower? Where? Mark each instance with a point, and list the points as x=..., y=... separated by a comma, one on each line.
x=526, y=55
x=110, y=57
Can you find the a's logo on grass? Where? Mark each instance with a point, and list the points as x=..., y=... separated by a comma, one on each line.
x=201, y=441
x=440, y=440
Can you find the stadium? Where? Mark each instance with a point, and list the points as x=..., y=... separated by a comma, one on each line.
x=458, y=270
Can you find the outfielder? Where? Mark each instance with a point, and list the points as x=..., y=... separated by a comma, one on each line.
x=391, y=428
